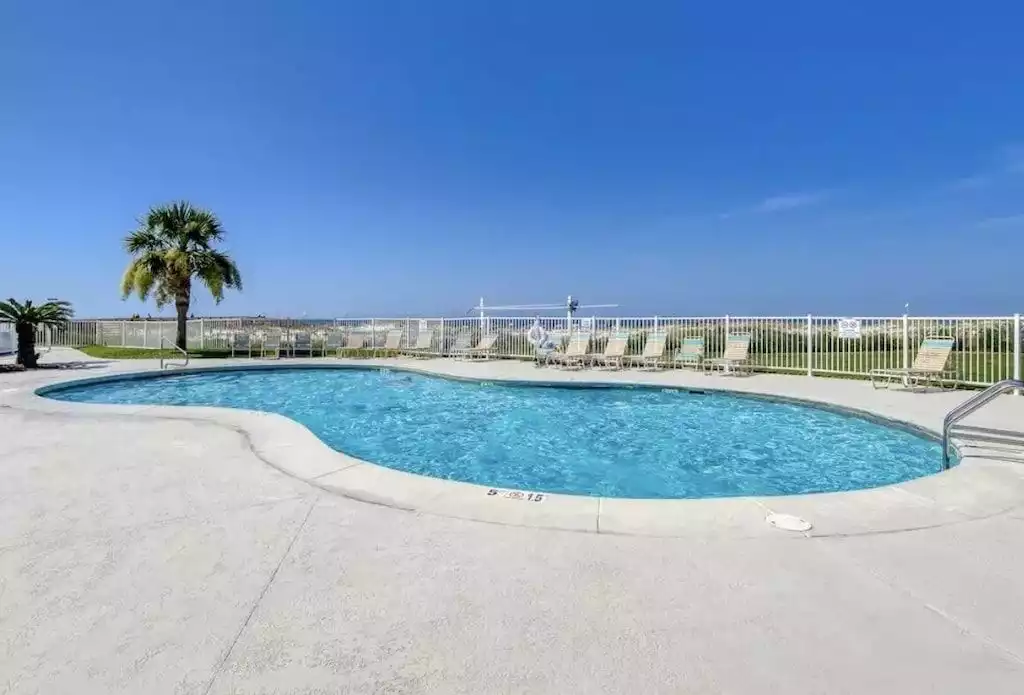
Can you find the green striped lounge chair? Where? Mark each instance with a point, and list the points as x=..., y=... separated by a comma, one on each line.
x=690, y=353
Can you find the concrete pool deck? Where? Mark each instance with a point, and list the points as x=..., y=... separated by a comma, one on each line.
x=143, y=550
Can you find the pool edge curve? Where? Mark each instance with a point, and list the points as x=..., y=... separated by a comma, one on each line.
x=293, y=449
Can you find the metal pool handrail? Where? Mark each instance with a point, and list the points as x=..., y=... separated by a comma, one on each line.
x=163, y=341
x=969, y=406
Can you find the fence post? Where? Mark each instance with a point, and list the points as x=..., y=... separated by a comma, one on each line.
x=727, y=326
x=810, y=346
x=1016, y=349
x=202, y=334
x=373, y=335
x=906, y=342
x=145, y=333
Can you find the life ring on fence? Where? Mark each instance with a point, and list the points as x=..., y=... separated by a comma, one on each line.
x=537, y=335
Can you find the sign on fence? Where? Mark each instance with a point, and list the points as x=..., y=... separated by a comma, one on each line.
x=849, y=328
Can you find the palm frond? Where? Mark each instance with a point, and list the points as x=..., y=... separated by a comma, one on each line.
x=11, y=309
x=142, y=273
x=173, y=244
x=55, y=312
x=162, y=295
x=142, y=240
x=51, y=312
x=217, y=271
x=203, y=228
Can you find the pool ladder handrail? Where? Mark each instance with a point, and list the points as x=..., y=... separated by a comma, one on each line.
x=969, y=406
x=164, y=341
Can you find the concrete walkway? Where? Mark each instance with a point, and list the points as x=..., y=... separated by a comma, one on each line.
x=163, y=556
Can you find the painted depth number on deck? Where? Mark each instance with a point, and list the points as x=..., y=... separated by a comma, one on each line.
x=516, y=495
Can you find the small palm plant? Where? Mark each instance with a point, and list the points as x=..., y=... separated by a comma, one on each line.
x=172, y=245
x=27, y=317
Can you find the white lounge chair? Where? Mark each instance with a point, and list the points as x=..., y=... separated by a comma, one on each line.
x=575, y=352
x=736, y=357
x=463, y=341
x=393, y=342
x=654, y=350
x=485, y=349
x=332, y=343
x=302, y=342
x=550, y=350
x=929, y=367
x=423, y=345
x=353, y=343
x=614, y=351
x=271, y=345
x=459, y=348
x=241, y=343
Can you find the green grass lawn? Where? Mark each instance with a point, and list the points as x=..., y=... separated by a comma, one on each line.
x=968, y=366
x=130, y=353
x=127, y=353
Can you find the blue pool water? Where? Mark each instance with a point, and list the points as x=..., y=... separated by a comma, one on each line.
x=615, y=442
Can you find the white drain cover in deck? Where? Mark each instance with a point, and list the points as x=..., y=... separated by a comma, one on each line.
x=788, y=522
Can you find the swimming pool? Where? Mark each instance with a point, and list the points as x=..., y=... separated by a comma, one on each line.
x=611, y=442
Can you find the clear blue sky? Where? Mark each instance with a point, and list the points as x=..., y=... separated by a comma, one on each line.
x=394, y=157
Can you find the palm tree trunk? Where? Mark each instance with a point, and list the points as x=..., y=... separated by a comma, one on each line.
x=181, y=305
x=26, y=345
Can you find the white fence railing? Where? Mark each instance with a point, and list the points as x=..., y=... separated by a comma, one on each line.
x=987, y=349
x=8, y=340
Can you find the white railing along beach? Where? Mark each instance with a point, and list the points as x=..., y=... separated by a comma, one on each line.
x=987, y=348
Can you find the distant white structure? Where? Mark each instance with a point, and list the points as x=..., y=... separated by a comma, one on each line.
x=571, y=306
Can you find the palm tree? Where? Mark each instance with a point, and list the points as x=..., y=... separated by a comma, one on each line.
x=172, y=245
x=27, y=317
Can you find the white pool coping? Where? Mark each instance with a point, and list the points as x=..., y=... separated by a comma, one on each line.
x=978, y=488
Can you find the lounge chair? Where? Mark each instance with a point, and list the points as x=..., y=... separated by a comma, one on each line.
x=485, y=349
x=353, y=343
x=550, y=350
x=392, y=341
x=575, y=352
x=929, y=367
x=271, y=345
x=302, y=342
x=241, y=342
x=423, y=345
x=463, y=341
x=690, y=353
x=654, y=350
x=332, y=343
x=735, y=358
x=614, y=351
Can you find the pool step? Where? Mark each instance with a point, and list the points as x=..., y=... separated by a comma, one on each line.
x=987, y=442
